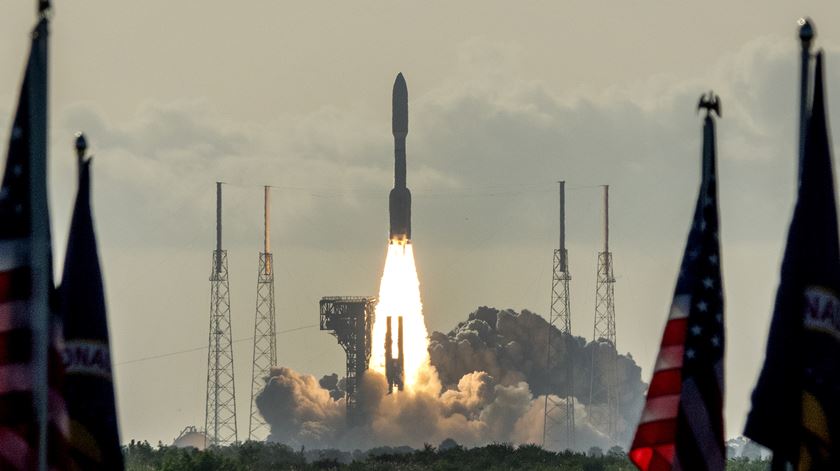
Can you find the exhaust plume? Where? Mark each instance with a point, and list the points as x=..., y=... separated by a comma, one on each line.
x=484, y=383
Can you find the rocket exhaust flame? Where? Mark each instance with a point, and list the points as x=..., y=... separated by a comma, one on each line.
x=399, y=298
x=394, y=357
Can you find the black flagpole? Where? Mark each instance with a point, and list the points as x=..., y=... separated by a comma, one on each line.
x=781, y=462
x=41, y=381
x=807, y=33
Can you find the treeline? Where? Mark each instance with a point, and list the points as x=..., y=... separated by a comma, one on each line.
x=141, y=456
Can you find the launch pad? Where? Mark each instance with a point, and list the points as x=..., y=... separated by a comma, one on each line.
x=350, y=320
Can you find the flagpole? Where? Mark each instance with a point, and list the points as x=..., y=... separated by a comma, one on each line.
x=41, y=266
x=780, y=461
x=806, y=36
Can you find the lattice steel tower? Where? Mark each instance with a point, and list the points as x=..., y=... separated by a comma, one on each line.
x=603, y=386
x=220, y=411
x=559, y=415
x=265, y=337
x=350, y=319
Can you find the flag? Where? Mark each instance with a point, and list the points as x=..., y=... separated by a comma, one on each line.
x=94, y=436
x=682, y=422
x=795, y=410
x=33, y=421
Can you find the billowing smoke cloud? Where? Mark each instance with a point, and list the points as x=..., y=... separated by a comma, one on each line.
x=512, y=347
x=298, y=408
x=489, y=386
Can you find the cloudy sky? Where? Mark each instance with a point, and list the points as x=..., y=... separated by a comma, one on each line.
x=505, y=99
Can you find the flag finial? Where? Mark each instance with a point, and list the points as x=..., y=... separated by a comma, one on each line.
x=81, y=145
x=806, y=30
x=709, y=102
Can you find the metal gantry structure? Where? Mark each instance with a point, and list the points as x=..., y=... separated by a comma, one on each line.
x=220, y=408
x=559, y=412
x=350, y=319
x=604, y=385
x=265, y=331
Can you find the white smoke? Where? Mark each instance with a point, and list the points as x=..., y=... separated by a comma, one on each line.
x=477, y=409
x=298, y=408
x=477, y=412
x=512, y=347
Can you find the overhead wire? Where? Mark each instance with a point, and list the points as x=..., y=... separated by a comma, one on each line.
x=198, y=349
x=495, y=190
x=467, y=192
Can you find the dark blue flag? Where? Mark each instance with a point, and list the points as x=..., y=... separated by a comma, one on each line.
x=795, y=408
x=94, y=437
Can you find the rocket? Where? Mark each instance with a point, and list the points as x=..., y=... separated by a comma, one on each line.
x=399, y=201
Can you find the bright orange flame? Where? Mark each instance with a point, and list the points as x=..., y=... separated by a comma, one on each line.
x=399, y=295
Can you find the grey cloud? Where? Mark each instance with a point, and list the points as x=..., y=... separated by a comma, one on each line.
x=493, y=134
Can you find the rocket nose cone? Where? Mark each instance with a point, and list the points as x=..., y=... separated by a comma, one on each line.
x=400, y=106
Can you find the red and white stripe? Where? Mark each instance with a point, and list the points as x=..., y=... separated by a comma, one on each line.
x=17, y=447
x=654, y=445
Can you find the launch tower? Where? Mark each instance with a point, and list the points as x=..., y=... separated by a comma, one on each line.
x=350, y=320
x=220, y=407
x=603, y=386
x=265, y=338
x=559, y=415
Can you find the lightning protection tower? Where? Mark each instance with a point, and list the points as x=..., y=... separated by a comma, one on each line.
x=220, y=411
x=603, y=386
x=265, y=339
x=559, y=411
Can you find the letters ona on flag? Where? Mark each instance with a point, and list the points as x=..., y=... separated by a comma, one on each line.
x=795, y=412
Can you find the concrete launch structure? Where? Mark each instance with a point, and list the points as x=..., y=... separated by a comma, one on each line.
x=399, y=201
x=394, y=365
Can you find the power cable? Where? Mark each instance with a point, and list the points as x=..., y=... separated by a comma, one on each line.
x=197, y=349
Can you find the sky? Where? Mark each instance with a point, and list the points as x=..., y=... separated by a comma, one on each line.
x=505, y=99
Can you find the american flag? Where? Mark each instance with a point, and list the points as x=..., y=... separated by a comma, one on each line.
x=26, y=288
x=682, y=422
